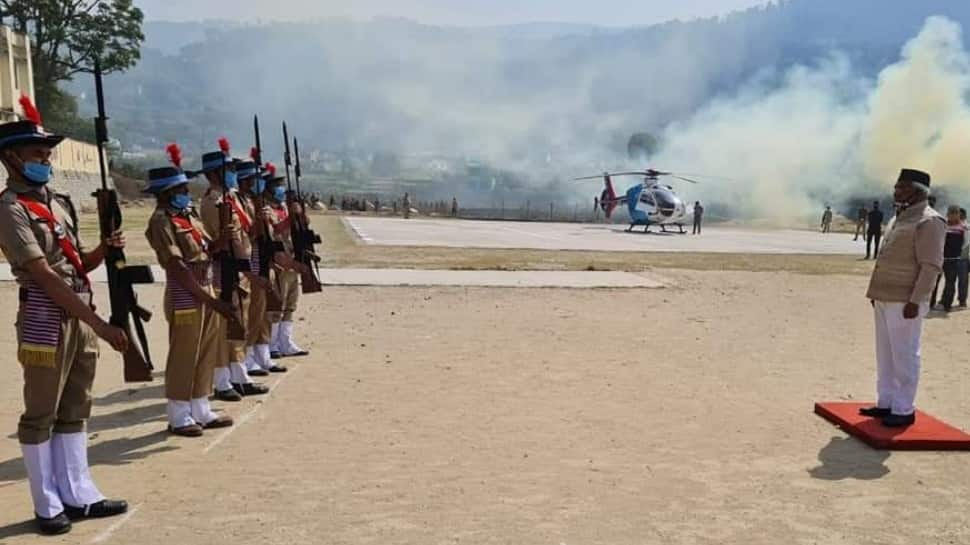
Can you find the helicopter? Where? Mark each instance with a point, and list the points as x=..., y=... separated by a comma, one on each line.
x=648, y=203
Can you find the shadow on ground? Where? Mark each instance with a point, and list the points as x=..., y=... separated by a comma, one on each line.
x=848, y=458
x=121, y=451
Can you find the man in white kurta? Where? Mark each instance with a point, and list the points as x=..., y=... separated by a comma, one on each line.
x=900, y=288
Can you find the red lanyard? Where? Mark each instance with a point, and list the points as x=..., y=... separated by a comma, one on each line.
x=67, y=247
x=282, y=217
x=186, y=223
x=244, y=218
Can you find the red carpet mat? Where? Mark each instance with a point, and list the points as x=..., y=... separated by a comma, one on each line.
x=927, y=433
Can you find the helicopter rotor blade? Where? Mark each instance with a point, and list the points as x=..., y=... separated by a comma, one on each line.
x=708, y=176
x=684, y=179
x=597, y=177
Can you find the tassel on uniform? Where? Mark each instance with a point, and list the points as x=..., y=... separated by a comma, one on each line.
x=37, y=355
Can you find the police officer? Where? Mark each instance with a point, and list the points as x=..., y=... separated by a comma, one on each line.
x=875, y=220
x=288, y=271
x=222, y=212
x=182, y=244
x=258, y=335
x=904, y=275
x=57, y=329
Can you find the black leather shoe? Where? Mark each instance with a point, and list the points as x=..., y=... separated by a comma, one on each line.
x=53, y=526
x=899, y=420
x=251, y=389
x=875, y=412
x=275, y=355
x=228, y=395
x=278, y=369
x=101, y=509
x=297, y=354
x=257, y=372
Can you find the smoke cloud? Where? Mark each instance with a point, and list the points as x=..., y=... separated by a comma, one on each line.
x=826, y=135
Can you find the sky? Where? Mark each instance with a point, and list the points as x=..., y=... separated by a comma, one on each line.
x=453, y=12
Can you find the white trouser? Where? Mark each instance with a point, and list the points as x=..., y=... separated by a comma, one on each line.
x=39, y=460
x=897, y=356
x=71, y=472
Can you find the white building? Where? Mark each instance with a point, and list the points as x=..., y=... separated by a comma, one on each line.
x=16, y=73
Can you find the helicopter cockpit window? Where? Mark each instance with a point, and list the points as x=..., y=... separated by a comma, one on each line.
x=646, y=198
x=665, y=198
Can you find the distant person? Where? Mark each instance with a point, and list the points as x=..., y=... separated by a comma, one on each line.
x=899, y=291
x=698, y=217
x=377, y=205
x=874, y=231
x=827, y=219
x=860, y=222
x=454, y=207
x=332, y=201
x=963, y=271
x=956, y=235
x=406, y=203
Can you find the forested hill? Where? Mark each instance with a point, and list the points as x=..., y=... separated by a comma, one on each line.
x=396, y=85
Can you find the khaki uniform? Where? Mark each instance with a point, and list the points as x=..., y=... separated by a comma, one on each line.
x=230, y=351
x=58, y=377
x=287, y=281
x=258, y=326
x=905, y=272
x=192, y=328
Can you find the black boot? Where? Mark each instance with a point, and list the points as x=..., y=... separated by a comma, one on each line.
x=60, y=524
x=899, y=420
x=101, y=509
x=875, y=412
x=228, y=395
x=251, y=389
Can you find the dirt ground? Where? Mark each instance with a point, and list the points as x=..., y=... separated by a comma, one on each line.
x=432, y=416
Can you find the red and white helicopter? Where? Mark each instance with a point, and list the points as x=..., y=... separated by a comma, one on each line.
x=648, y=203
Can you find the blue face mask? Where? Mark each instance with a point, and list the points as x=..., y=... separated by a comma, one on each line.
x=279, y=193
x=37, y=173
x=180, y=201
x=232, y=182
x=260, y=186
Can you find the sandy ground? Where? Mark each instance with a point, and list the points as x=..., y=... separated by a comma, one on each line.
x=454, y=415
x=592, y=237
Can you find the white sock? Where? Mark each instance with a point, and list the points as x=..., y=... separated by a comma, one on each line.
x=179, y=413
x=238, y=374
x=202, y=411
x=222, y=379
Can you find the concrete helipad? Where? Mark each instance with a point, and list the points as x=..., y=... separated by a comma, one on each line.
x=576, y=236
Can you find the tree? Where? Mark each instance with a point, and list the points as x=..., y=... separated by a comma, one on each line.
x=66, y=38
x=641, y=146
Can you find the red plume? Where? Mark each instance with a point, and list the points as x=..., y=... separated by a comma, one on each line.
x=174, y=154
x=224, y=145
x=30, y=111
x=253, y=152
x=271, y=168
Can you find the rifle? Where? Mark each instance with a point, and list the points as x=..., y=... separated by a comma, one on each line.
x=303, y=237
x=121, y=277
x=229, y=265
x=267, y=246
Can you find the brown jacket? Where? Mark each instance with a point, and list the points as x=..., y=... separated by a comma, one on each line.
x=911, y=257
